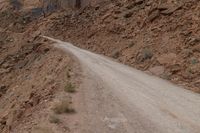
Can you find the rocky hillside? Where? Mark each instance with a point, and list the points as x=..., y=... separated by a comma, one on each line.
x=159, y=37
x=34, y=75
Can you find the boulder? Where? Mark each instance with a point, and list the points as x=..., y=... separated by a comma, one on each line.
x=128, y=14
x=167, y=59
x=3, y=121
x=153, y=15
x=168, y=9
x=175, y=68
x=157, y=70
x=3, y=89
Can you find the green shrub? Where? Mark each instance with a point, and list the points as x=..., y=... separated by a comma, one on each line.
x=194, y=61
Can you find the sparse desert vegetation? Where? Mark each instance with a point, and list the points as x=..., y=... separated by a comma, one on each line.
x=70, y=88
x=54, y=119
x=62, y=107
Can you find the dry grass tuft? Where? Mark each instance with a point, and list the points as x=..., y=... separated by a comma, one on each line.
x=54, y=119
x=70, y=88
x=63, y=107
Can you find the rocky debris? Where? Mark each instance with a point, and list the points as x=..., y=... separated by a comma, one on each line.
x=34, y=98
x=197, y=83
x=4, y=71
x=14, y=116
x=168, y=9
x=21, y=64
x=187, y=75
x=130, y=5
x=175, y=68
x=157, y=70
x=138, y=2
x=193, y=41
x=6, y=65
x=3, y=89
x=164, y=9
x=116, y=29
x=186, y=53
x=3, y=121
x=153, y=15
x=194, y=69
x=144, y=55
x=21, y=58
x=43, y=49
x=115, y=54
x=128, y=14
x=196, y=48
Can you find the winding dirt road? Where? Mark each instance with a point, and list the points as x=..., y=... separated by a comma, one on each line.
x=119, y=99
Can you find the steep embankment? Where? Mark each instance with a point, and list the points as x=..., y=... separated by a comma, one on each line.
x=34, y=76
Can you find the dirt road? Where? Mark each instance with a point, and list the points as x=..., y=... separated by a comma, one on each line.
x=120, y=99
